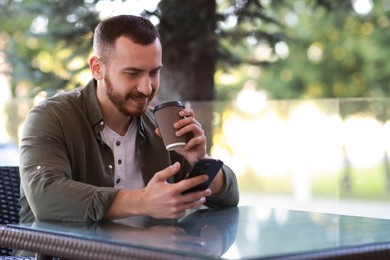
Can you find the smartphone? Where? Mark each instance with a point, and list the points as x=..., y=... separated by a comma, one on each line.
x=204, y=166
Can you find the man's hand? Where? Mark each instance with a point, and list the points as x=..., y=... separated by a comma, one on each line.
x=159, y=199
x=188, y=126
x=196, y=145
x=165, y=200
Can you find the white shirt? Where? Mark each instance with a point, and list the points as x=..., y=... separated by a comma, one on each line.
x=127, y=171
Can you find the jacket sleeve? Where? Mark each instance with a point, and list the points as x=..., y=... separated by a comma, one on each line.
x=228, y=196
x=48, y=179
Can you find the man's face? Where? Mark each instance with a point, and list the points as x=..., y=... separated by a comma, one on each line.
x=132, y=75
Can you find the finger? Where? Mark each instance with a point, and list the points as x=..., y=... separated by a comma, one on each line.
x=191, y=182
x=189, y=201
x=189, y=205
x=158, y=131
x=195, y=129
x=195, y=141
x=199, y=196
x=167, y=172
x=187, y=121
x=187, y=112
x=179, y=209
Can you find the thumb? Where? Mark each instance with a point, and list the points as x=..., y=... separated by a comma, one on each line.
x=157, y=131
x=167, y=172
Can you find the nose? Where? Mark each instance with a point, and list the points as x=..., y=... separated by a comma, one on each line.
x=145, y=85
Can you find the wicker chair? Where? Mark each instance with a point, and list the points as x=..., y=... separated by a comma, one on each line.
x=9, y=207
x=9, y=195
x=9, y=204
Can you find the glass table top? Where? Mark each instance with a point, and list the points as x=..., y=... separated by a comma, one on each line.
x=244, y=232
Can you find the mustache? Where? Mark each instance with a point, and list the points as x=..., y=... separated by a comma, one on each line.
x=139, y=95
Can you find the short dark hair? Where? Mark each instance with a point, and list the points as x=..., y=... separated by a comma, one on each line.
x=136, y=28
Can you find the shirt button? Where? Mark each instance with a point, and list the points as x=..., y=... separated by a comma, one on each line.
x=118, y=143
x=101, y=123
x=110, y=166
x=119, y=161
x=118, y=181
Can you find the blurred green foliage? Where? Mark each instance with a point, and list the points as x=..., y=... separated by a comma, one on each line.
x=288, y=49
x=325, y=52
x=46, y=43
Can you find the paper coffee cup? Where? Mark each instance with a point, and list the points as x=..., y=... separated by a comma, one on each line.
x=167, y=114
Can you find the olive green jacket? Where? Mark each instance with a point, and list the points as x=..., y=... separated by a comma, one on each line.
x=67, y=171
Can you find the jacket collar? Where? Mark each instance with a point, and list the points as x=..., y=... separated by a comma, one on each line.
x=94, y=112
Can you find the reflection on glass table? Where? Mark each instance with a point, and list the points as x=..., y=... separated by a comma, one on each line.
x=238, y=233
x=205, y=232
x=268, y=232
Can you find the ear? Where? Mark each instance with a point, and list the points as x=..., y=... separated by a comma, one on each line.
x=95, y=64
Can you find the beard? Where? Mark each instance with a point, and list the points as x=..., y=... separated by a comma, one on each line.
x=119, y=101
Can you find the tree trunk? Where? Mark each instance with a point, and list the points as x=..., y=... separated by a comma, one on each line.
x=187, y=31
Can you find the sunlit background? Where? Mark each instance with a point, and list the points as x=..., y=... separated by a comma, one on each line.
x=324, y=155
x=300, y=150
x=283, y=151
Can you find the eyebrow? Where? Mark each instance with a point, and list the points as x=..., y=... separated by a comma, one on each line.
x=140, y=70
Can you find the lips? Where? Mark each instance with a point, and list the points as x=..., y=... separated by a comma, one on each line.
x=136, y=97
x=139, y=100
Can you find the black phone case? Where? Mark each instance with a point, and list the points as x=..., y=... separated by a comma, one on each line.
x=204, y=166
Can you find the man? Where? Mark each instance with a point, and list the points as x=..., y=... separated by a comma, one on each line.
x=96, y=153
